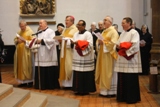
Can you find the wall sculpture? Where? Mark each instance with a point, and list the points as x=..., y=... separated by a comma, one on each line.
x=37, y=7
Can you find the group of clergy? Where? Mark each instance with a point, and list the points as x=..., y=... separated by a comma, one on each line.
x=117, y=62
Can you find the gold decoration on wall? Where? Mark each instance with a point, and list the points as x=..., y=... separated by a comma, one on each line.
x=31, y=8
x=36, y=23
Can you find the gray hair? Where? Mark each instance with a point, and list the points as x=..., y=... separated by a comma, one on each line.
x=22, y=22
x=100, y=21
x=110, y=19
x=144, y=25
x=93, y=23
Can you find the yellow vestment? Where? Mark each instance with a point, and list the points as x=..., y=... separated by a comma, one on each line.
x=105, y=60
x=66, y=61
x=22, y=57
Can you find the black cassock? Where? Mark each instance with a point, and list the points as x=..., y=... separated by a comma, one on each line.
x=145, y=52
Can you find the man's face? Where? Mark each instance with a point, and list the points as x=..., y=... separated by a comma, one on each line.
x=42, y=25
x=125, y=25
x=93, y=27
x=22, y=26
x=107, y=22
x=68, y=22
x=80, y=26
x=101, y=26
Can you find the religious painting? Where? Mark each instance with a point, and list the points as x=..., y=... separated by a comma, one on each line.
x=37, y=7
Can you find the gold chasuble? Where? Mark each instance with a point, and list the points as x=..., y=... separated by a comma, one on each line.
x=66, y=59
x=22, y=57
x=105, y=58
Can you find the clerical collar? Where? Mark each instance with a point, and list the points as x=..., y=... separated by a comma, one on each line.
x=128, y=30
x=82, y=32
x=45, y=29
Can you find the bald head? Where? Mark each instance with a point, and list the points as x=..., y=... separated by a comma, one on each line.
x=43, y=21
x=43, y=24
x=22, y=25
x=22, y=22
x=108, y=21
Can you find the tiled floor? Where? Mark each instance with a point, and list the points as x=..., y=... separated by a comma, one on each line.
x=93, y=100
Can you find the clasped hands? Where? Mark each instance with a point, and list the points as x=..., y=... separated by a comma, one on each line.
x=100, y=42
x=20, y=40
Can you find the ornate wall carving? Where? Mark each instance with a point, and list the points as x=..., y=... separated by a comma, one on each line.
x=37, y=8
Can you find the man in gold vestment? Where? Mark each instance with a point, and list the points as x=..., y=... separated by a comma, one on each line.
x=66, y=53
x=23, y=70
x=106, y=78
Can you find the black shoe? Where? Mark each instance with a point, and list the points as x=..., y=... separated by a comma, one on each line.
x=67, y=88
x=85, y=93
x=108, y=96
x=131, y=102
x=77, y=93
x=30, y=84
x=22, y=85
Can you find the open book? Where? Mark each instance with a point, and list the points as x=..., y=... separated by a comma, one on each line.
x=58, y=37
x=142, y=42
x=20, y=37
x=98, y=35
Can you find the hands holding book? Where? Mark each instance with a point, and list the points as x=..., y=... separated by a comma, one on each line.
x=20, y=40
